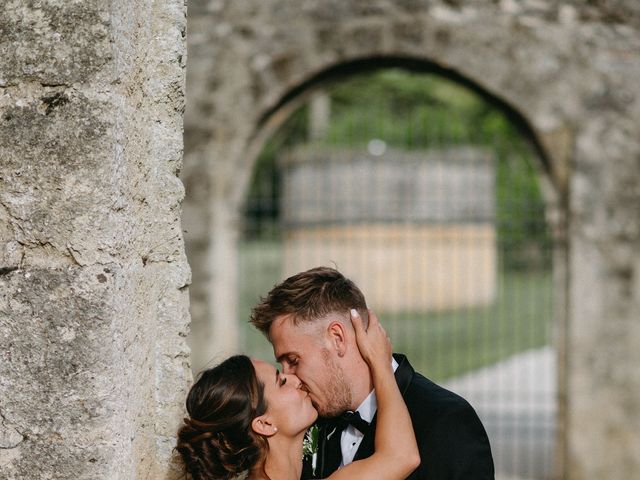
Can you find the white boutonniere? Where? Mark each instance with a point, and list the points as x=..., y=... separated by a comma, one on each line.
x=310, y=446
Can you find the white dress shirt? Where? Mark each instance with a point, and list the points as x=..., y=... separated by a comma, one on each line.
x=351, y=437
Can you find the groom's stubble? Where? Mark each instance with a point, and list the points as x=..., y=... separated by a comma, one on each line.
x=338, y=391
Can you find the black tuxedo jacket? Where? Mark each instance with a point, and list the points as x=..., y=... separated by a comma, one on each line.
x=453, y=443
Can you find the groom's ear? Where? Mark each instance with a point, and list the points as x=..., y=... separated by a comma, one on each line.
x=338, y=337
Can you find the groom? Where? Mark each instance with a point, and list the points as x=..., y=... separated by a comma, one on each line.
x=306, y=318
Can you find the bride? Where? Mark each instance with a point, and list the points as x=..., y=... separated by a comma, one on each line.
x=245, y=416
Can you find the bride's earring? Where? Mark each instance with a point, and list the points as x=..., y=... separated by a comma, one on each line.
x=262, y=426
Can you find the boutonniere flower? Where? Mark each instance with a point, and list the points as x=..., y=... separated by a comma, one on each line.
x=310, y=446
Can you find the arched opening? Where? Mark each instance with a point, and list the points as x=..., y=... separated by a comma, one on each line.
x=428, y=194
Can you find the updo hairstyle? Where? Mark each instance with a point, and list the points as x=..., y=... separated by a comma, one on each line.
x=216, y=441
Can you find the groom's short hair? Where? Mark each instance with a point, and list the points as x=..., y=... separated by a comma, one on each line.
x=309, y=296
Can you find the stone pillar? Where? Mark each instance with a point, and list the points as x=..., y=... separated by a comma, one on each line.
x=93, y=306
x=604, y=339
x=223, y=286
x=215, y=331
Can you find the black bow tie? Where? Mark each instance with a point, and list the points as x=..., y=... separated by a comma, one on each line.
x=354, y=419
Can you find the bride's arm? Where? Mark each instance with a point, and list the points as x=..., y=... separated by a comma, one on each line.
x=396, y=452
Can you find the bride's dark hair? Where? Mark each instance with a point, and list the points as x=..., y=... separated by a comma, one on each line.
x=216, y=440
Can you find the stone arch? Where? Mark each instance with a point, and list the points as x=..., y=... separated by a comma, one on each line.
x=275, y=116
x=562, y=68
x=290, y=100
x=281, y=81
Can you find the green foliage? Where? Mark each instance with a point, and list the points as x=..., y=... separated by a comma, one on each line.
x=262, y=207
x=404, y=109
x=523, y=237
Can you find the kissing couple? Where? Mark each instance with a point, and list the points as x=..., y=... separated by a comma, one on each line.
x=359, y=411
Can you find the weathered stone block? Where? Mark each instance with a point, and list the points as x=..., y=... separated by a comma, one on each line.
x=93, y=275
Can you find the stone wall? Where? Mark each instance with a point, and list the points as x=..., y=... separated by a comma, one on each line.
x=567, y=70
x=93, y=304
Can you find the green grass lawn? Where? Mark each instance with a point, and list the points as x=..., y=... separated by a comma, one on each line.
x=448, y=344
x=439, y=344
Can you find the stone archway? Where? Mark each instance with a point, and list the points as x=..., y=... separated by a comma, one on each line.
x=266, y=87
x=230, y=251
x=567, y=71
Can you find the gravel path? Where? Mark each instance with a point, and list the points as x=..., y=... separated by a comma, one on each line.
x=516, y=400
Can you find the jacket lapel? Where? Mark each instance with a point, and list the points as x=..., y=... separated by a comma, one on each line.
x=329, y=455
x=404, y=372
